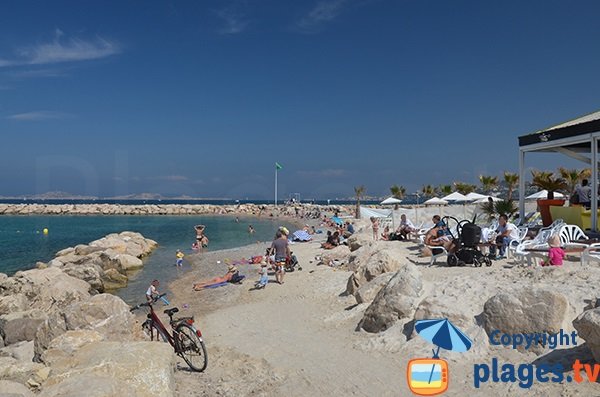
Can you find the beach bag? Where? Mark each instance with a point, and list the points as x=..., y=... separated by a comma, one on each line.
x=237, y=278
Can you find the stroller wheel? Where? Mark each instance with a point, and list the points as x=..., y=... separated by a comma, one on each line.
x=488, y=261
x=476, y=262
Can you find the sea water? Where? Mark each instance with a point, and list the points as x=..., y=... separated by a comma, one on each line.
x=23, y=243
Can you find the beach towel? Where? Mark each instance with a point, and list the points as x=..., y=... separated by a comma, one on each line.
x=216, y=285
x=301, y=235
x=337, y=220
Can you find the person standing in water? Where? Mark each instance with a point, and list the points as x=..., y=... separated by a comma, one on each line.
x=179, y=257
x=250, y=229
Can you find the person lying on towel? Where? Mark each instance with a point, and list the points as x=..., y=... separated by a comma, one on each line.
x=232, y=276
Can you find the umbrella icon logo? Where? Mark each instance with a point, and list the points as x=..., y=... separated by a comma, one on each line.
x=429, y=376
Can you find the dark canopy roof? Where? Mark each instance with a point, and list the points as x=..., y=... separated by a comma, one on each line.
x=570, y=129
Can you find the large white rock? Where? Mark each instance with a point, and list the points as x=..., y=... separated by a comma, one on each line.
x=526, y=310
x=397, y=301
x=147, y=368
x=20, y=326
x=383, y=261
x=104, y=313
x=22, y=351
x=18, y=371
x=46, y=289
x=9, y=388
x=13, y=303
x=587, y=325
x=68, y=343
x=367, y=292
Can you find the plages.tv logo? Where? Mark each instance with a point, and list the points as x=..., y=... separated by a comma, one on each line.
x=430, y=376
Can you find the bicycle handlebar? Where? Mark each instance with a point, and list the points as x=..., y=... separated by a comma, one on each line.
x=148, y=304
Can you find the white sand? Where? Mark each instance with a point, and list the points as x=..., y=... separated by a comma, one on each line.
x=301, y=338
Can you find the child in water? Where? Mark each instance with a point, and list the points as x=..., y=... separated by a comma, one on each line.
x=179, y=255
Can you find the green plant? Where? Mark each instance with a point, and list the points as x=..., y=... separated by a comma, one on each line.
x=573, y=176
x=507, y=207
x=359, y=192
x=488, y=183
x=428, y=190
x=464, y=188
x=398, y=191
x=511, y=180
x=444, y=190
x=548, y=181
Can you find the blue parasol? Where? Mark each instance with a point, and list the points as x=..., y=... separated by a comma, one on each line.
x=442, y=333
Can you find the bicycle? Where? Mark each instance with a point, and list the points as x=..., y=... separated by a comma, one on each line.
x=185, y=339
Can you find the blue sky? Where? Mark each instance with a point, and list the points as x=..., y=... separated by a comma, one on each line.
x=202, y=97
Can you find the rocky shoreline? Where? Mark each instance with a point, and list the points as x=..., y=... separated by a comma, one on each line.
x=168, y=209
x=59, y=334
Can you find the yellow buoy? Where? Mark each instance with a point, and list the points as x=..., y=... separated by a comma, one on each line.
x=45, y=231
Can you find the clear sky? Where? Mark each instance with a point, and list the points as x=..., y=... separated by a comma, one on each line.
x=202, y=97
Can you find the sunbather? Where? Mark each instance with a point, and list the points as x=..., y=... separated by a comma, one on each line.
x=217, y=280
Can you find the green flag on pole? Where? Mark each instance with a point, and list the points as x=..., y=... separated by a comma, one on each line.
x=278, y=166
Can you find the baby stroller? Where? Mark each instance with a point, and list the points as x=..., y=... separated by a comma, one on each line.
x=466, y=251
x=291, y=263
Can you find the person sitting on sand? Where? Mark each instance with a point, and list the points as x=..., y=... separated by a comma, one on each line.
x=281, y=249
x=406, y=227
x=555, y=254
x=348, y=230
x=385, y=236
x=232, y=270
x=332, y=241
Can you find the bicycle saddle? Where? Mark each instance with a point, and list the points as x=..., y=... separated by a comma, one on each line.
x=170, y=312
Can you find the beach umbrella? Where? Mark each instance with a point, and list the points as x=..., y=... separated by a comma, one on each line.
x=485, y=199
x=456, y=197
x=391, y=200
x=435, y=201
x=475, y=196
x=543, y=194
x=442, y=333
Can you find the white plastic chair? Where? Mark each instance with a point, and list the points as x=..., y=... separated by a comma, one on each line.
x=514, y=243
x=592, y=252
x=570, y=233
x=433, y=248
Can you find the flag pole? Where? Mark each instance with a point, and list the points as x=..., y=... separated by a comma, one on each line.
x=275, y=185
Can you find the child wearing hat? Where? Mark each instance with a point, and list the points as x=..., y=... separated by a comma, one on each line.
x=555, y=254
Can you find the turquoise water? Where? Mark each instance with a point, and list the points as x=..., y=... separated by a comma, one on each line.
x=22, y=242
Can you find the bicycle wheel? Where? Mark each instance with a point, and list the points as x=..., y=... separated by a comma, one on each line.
x=192, y=348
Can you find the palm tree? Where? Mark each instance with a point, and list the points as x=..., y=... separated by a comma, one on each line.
x=548, y=181
x=488, y=183
x=511, y=180
x=359, y=192
x=574, y=176
x=464, y=188
x=444, y=190
x=398, y=191
x=428, y=190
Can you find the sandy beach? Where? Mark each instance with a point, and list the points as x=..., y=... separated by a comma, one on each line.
x=303, y=337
